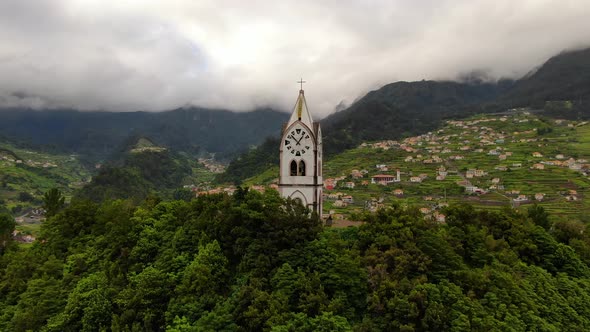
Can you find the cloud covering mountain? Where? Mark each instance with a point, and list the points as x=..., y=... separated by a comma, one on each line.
x=238, y=55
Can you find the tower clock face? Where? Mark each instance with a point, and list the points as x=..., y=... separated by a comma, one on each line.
x=298, y=142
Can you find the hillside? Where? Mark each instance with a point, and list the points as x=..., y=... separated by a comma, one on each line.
x=561, y=88
x=139, y=169
x=96, y=135
x=564, y=77
x=25, y=175
x=492, y=161
x=404, y=109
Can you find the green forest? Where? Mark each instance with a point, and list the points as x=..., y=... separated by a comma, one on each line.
x=255, y=262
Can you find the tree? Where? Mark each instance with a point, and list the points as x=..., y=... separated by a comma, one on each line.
x=183, y=194
x=53, y=201
x=24, y=196
x=6, y=228
x=539, y=216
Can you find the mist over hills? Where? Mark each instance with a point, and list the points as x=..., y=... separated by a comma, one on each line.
x=565, y=76
x=395, y=110
x=560, y=87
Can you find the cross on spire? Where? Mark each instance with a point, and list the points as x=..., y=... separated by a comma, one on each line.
x=301, y=82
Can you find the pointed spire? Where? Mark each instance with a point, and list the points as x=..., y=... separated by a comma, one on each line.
x=300, y=112
x=300, y=99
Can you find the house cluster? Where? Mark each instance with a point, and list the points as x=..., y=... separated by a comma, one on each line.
x=20, y=237
x=32, y=163
x=560, y=160
x=464, y=139
x=572, y=195
x=212, y=165
x=331, y=183
x=471, y=173
x=374, y=204
x=433, y=213
x=228, y=190
x=340, y=199
x=470, y=188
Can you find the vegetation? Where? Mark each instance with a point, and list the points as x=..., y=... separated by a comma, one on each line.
x=252, y=162
x=25, y=175
x=404, y=109
x=97, y=135
x=253, y=262
x=560, y=86
x=137, y=175
x=53, y=201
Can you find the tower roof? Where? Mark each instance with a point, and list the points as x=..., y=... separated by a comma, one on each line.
x=300, y=111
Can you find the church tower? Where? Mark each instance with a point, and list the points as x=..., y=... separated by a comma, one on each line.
x=301, y=157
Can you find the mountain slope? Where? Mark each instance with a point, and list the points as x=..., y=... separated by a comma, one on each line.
x=142, y=169
x=563, y=77
x=404, y=108
x=97, y=134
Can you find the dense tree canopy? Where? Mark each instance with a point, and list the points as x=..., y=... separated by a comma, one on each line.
x=254, y=262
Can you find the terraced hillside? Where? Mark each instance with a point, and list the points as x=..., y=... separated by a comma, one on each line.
x=493, y=161
x=25, y=175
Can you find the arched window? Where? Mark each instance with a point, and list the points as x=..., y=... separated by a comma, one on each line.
x=302, y=168
x=293, y=168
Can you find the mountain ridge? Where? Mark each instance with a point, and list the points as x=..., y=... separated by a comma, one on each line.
x=98, y=134
x=402, y=109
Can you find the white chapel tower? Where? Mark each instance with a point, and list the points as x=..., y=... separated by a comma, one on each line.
x=300, y=174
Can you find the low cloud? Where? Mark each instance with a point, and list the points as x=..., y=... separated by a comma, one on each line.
x=160, y=55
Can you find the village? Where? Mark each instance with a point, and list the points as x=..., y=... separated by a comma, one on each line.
x=513, y=159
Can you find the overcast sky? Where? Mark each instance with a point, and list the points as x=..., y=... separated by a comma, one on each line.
x=159, y=55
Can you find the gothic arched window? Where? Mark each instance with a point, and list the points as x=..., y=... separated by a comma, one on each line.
x=302, y=168
x=293, y=168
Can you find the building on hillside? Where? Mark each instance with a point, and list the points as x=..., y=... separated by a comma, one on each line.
x=479, y=173
x=416, y=179
x=439, y=217
x=539, y=196
x=382, y=167
x=356, y=174
x=329, y=184
x=300, y=156
x=348, y=199
x=339, y=203
x=382, y=179
x=424, y=210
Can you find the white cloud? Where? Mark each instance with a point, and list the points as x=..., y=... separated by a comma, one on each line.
x=157, y=55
